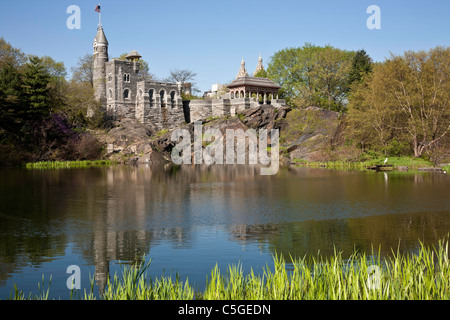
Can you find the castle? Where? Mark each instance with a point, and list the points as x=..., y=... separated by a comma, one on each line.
x=124, y=93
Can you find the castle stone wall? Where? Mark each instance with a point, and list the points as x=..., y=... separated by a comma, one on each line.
x=200, y=109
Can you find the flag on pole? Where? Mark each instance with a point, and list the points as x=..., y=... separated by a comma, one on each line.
x=97, y=8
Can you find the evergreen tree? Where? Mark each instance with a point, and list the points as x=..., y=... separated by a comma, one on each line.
x=10, y=92
x=362, y=64
x=35, y=86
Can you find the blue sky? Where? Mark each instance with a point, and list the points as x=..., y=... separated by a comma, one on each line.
x=211, y=37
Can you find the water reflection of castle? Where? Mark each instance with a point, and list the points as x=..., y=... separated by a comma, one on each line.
x=120, y=213
x=134, y=208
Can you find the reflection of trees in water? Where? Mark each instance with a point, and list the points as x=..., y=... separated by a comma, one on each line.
x=120, y=213
x=29, y=232
x=384, y=232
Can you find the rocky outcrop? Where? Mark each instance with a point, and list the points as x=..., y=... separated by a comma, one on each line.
x=164, y=144
x=129, y=142
x=307, y=132
x=304, y=134
x=265, y=117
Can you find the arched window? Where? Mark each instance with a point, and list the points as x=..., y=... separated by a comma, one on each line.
x=172, y=99
x=109, y=77
x=150, y=95
x=110, y=94
x=161, y=94
x=126, y=94
x=126, y=77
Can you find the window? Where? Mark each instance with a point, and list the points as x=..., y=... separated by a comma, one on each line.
x=161, y=94
x=126, y=77
x=110, y=94
x=109, y=77
x=172, y=99
x=126, y=94
x=150, y=94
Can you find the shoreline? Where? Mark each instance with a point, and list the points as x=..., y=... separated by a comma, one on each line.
x=337, y=165
x=398, y=164
x=363, y=276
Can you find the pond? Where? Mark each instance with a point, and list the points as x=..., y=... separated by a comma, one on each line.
x=187, y=219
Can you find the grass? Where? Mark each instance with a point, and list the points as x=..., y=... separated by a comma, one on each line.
x=160, y=133
x=411, y=162
x=68, y=164
x=421, y=276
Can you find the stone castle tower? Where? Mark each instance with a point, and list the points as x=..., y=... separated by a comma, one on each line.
x=124, y=93
x=100, y=60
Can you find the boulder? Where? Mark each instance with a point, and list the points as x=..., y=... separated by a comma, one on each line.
x=265, y=117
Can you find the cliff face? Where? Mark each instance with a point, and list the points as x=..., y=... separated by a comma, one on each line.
x=304, y=134
x=264, y=117
x=129, y=142
x=309, y=132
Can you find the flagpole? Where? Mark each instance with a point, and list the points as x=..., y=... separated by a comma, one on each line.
x=100, y=16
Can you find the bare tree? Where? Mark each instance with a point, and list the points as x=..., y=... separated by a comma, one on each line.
x=183, y=76
x=84, y=70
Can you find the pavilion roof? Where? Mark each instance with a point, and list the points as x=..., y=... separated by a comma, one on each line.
x=248, y=81
x=133, y=55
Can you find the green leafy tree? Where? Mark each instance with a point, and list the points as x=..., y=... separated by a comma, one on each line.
x=79, y=101
x=84, y=70
x=11, y=61
x=10, y=55
x=407, y=99
x=312, y=75
x=10, y=90
x=57, y=84
x=261, y=74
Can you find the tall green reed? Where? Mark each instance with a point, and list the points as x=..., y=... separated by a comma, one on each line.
x=421, y=276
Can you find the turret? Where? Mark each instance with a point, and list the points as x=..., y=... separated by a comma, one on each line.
x=243, y=70
x=260, y=66
x=134, y=57
x=100, y=59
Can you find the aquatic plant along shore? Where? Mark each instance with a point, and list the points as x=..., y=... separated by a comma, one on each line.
x=424, y=275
